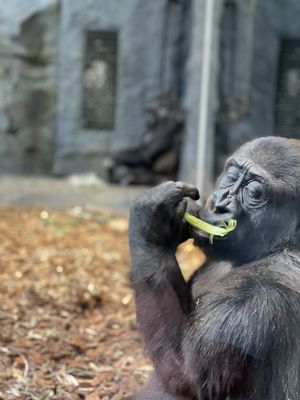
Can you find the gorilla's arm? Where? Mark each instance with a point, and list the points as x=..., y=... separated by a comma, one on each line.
x=163, y=298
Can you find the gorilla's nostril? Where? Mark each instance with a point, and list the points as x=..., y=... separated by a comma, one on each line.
x=221, y=201
x=221, y=209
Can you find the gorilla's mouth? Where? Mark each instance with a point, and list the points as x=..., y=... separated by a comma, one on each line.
x=205, y=229
x=216, y=218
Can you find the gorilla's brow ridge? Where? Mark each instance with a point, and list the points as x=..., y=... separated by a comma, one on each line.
x=250, y=168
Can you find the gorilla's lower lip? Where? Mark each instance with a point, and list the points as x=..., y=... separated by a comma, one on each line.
x=200, y=235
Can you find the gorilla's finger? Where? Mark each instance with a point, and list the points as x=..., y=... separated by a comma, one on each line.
x=181, y=228
x=189, y=190
x=181, y=208
x=192, y=208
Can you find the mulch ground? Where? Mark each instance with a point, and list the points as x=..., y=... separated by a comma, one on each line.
x=68, y=328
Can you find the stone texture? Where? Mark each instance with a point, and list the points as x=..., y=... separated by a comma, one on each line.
x=27, y=94
x=249, y=110
x=16, y=11
x=42, y=133
x=144, y=70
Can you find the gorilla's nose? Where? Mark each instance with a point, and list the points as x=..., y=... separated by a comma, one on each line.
x=221, y=201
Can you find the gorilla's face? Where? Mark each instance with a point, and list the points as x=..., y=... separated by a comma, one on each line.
x=255, y=190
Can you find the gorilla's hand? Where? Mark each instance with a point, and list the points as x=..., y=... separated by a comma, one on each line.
x=156, y=218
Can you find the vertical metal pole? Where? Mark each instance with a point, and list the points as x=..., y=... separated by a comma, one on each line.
x=204, y=100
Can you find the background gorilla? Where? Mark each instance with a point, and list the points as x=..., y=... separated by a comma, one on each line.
x=232, y=331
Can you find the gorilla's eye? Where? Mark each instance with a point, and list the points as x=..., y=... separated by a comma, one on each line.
x=254, y=190
x=253, y=194
x=231, y=176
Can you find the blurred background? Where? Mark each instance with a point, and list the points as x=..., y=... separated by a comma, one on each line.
x=137, y=91
x=98, y=100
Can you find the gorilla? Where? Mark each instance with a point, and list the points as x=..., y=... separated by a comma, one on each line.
x=232, y=332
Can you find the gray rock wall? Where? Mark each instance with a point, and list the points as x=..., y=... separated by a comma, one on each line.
x=42, y=63
x=144, y=69
x=41, y=72
x=249, y=111
x=274, y=20
x=28, y=88
x=14, y=12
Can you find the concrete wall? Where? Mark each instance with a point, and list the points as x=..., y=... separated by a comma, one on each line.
x=42, y=53
x=249, y=110
x=274, y=21
x=40, y=131
x=144, y=70
x=14, y=12
x=28, y=43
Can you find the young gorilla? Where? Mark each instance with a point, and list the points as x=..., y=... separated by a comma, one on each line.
x=232, y=331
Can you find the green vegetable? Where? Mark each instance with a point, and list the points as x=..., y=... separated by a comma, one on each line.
x=222, y=230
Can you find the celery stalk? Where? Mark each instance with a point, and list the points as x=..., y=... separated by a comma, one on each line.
x=212, y=230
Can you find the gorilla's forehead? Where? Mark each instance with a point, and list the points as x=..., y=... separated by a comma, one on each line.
x=271, y=157
x=247, y=166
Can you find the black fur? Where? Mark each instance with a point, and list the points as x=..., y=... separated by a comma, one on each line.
x=233, y=331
